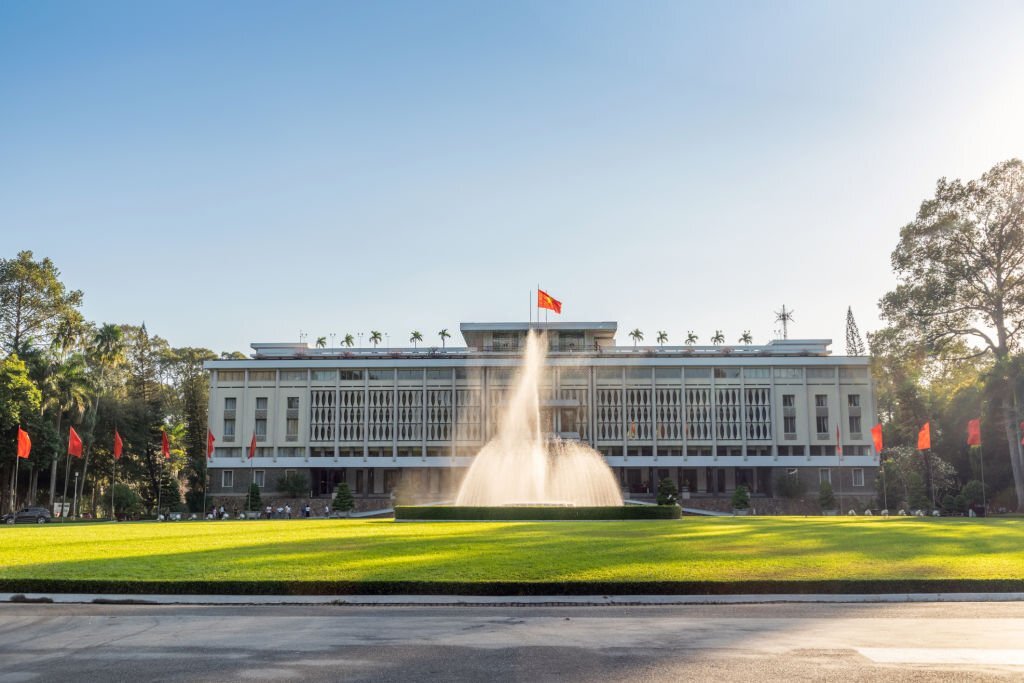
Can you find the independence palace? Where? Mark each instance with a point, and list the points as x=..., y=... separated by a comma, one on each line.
x=408, y=421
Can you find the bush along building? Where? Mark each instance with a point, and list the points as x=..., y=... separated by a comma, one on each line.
x=405, y=423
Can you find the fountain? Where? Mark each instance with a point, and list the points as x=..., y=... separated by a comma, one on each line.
x=523, y=466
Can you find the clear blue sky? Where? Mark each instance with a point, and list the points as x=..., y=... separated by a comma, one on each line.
x=237, y=171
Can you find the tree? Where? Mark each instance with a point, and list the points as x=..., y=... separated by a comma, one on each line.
x=637, y=336
x=126, y=501
x=68, y=390
x=854, y=343
x=826, y=498
x=959, y=267
x=746, y=338
x=348, y=341
x=443, y=334
x=19, y=399
x=415, y=338
x=719, y=338
x=321, y=342
x=740, y=498
x=253, y=501
x=343, y=501
x=691, y=338
x=233, y=355
x=294, y=484
x=973, y=492
x=33, y=301
x=375, y=338
x=662, y=337
x=188, y=403
x=668, y=494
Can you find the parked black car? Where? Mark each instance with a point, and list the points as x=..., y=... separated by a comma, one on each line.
x=31, y=515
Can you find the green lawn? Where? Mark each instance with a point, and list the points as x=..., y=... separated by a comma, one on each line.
x=692, y=555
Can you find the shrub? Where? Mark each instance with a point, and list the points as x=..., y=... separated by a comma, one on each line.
x=948, y=504
x=790, y=486
x=740, y=498
x=826, y=498
x=343, y=501
x=973, y=492
x=668, y=494
x=126, y=500
x=525, y=513
x=294, y=484
x=252, y=499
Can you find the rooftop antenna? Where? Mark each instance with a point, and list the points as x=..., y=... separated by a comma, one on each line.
x=785, y=317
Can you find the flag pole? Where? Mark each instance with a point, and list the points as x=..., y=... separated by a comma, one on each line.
x=113, y=483
x=159, y=487
x=931, y=477
x=981, y=457
x=14, y=484
x=64, y=496
x=206, y=482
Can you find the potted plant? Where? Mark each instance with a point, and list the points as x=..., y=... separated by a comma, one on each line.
x=741, y=501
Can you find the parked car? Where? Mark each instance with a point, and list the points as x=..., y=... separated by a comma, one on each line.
x=30, y=515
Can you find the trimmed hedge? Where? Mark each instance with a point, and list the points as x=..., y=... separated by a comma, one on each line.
x=540, y=513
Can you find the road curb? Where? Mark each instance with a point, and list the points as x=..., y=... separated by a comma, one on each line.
x=497, y=601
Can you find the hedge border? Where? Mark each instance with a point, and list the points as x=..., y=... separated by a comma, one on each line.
x=514, y=588
x=455, y=513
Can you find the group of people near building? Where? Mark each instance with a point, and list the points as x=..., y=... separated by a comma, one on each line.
x=270, y=512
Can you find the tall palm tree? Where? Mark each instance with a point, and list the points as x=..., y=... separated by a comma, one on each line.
x=746, y=337
x=416, y=337
x=348, y=341
x=105, y=353
x=375, y=338
x=321, y=342
x=691, y=338
x=68, y=392
x=443, y=334
x=662, y=337
x=637, y=336
x=719, y=338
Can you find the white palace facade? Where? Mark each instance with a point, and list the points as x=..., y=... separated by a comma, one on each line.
x=407, y=422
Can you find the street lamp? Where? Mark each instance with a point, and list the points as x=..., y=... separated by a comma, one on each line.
x=74, y=505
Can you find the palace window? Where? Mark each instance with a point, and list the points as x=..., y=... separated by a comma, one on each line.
x=855, y=424
x=858, y=477
x=260, y=477
x=853, y=400
x=227, y=479
x=789, y=424
x=824, y=475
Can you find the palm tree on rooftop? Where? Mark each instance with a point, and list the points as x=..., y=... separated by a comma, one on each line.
x=443, y=334
x=691, y=338
x=348, y=341
x=746, y=337
x=321, y=342
x=375, y=338
x=637, y=336
x=416, y=337
x=719, y=338
x=662, y=337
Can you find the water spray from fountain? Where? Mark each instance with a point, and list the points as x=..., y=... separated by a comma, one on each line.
x=521, y=465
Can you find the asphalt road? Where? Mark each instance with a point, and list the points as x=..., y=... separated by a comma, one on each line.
x=766, y=642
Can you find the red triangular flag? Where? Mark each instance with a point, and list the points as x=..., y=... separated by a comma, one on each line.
x=252, y=447
x=974, y=432
x=209, y=443
x=924, y=437
x=74, y=443
x=24, y=443
x=118, y=445
x=165, y=445
x=876, y=436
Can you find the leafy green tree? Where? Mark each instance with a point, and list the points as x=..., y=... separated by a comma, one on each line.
x=973, y=492
x=33, y=302
x=321, y=342
x=668, y=494
x=188, y=407
x=662, y=337
x=126, y=501
x=349, y=341
x=233, y=355
x=443, y=334
x=718, y=338
x=253, y=502
x=959, y=267
x=375, y=338
x=19, y=399
x=294, y=484
x=67, y=391
x=343, y=500
x=691, y=338
x=746, y=337
x=854, y=343
x=826, y=497
x=637, y=336
x=740, y=498
x=415, y=338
